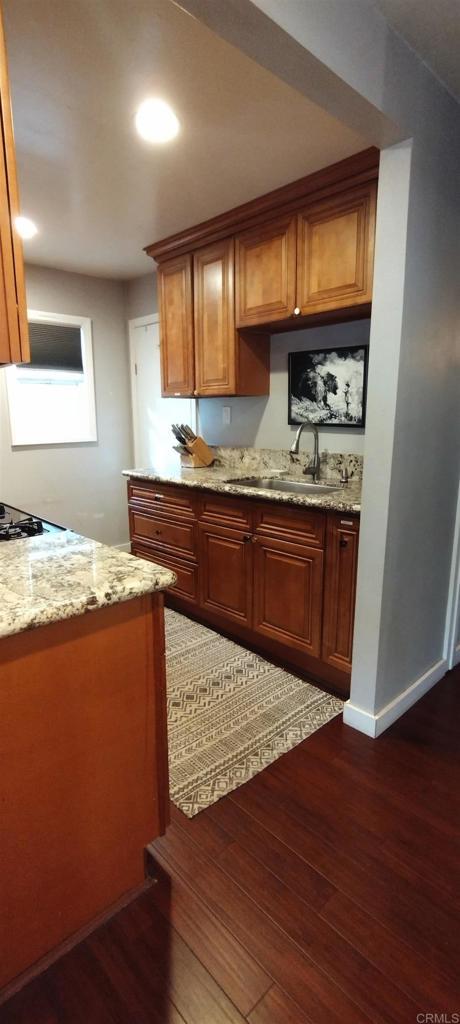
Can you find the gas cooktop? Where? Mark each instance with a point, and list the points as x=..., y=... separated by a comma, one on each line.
x=17, y=525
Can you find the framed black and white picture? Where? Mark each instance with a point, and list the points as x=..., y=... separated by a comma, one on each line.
x=328, y=387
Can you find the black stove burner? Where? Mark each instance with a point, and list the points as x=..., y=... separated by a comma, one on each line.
x=15, y=524
x=29, y=527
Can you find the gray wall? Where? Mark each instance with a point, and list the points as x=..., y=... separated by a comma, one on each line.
x=141, y=295
x=412, y=447
x=262, y=422
x=79, y=485
x=343, y=54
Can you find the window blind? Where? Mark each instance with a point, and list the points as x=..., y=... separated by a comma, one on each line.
x=55, y=347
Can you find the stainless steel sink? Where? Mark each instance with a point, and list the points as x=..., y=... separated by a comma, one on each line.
x=269, y=483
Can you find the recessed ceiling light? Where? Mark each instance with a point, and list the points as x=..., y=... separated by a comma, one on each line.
x=25, y=227
x=156, y=121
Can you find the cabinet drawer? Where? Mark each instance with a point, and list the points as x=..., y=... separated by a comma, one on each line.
x=232, y=513
x=177, y=500
x=180, y=537
x=306, y=526
x=187, y=573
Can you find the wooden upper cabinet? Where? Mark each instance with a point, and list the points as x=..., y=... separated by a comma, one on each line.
x=265, y=268
x=176, y=326
x=215, y=338
x=14, y=335
x=276, y=260
x=335, y=251
x=340, y=590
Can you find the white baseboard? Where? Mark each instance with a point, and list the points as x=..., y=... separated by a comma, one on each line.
x=122, y=547
x=456, y=655
x=374, y=725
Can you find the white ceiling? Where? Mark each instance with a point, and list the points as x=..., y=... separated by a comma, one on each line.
x=80, y=68
x=432, y=29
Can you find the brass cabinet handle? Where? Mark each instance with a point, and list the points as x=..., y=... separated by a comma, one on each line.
x=157, y=497
x=296, y=311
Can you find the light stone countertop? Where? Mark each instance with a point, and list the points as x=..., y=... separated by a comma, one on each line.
x=60, y=575
x=345, y=498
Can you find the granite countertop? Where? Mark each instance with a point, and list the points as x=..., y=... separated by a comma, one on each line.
x=57, y=576
x=346, y=498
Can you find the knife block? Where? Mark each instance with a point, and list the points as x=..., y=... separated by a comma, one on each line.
x=200, y=456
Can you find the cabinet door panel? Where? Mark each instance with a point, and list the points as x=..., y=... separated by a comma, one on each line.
x=288, y=582
x=176, y=326
x=14, y=334
x=215, y=338
x=226, y=572
x=340, y=590
x=265, y=262
x=335, y=253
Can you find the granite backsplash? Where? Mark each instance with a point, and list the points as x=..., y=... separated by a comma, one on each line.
x=255, y=461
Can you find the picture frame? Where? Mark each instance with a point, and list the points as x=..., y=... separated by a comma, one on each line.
x=328, y=387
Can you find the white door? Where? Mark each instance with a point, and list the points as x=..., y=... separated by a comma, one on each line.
x=152, y=414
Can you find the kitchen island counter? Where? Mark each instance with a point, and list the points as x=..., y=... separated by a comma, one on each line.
x=83, y=735
x=57, y=576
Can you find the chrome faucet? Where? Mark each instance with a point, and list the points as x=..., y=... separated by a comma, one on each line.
x=313, y=470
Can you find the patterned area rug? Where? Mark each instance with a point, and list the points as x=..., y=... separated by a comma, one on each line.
x=230, y=713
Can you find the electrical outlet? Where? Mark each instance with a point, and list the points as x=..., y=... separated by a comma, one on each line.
x=226, y=415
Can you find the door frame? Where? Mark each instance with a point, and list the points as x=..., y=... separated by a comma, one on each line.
x=146, y=321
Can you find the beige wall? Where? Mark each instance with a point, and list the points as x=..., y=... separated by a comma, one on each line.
x=79, y=485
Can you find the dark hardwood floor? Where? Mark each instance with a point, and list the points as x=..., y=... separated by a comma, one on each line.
x=325, y=891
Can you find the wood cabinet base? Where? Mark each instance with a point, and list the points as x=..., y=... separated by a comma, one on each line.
x=83, y=772
x=299, y=662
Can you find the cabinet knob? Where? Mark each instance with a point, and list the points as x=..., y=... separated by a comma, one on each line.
x=157, y=497
x=297, y=311
x=247, y=537
x=343, y=543
x=195, y=391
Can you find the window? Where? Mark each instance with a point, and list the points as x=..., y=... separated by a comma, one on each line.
x=51, y=399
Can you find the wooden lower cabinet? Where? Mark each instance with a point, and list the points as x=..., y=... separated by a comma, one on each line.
x=340, y=590
x=84, y=780
x=226, y=572
x=281, y=578
x=186, y=586
x=288, y=587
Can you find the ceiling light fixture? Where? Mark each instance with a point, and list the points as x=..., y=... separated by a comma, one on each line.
x=25, y=227
x=156, y=121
